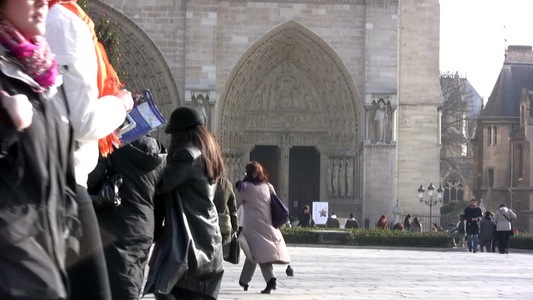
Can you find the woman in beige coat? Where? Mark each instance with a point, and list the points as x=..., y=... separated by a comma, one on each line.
x=266, y=243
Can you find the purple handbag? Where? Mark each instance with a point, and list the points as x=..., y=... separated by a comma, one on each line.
x=280, y=213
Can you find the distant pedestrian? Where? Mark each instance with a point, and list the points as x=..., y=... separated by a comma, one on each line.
x=473, y=216
x=333, y=221
x=416, y=226
x=459, y=232
x=397, y=226
x=407, y=223
x=305, y=221
x=487, y=232
x=502, y=218
x=351, y=222
x=383, y=223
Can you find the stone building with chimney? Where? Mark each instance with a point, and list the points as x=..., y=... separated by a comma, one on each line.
x=502, y=144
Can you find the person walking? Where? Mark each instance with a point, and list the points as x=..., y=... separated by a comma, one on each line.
x=266, y=244
x=187, y=262
x=226, y=204
x=473, y=216
x=37, y=181
x=98, y=105
x=459, y=232
x=487, y=232
x=502, y=219
x=128, y=230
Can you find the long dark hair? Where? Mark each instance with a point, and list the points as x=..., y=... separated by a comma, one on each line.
x=255, y=173
x=199, y=137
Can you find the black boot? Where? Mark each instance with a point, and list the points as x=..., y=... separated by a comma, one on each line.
x=271, y=285
x=244, y=285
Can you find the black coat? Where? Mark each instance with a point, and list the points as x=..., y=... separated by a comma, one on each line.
x=470, y=213
x=37, y=187
x=189, y=253
x=127, y=230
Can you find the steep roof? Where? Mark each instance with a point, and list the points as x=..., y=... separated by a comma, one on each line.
x=516, y=74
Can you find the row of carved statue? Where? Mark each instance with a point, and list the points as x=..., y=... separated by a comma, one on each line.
x=340, y=177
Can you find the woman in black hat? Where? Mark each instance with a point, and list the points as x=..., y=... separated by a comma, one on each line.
x=187, y=260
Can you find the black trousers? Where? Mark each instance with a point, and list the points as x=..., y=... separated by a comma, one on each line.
x=87, y=271
x=503, y=241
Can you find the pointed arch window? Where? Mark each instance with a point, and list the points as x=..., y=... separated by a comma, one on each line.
x=489, y=131
x=495, y=135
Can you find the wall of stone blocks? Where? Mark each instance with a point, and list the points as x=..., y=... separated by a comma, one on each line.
x=419, y=96
x=164, y=22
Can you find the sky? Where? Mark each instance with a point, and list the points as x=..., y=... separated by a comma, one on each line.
x=474, y=33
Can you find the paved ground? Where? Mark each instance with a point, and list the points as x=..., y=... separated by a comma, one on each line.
x=369, y=273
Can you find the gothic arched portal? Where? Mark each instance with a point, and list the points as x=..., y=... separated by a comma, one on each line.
x=291, y=89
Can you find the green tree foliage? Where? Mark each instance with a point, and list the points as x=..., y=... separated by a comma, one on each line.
x=108, y=34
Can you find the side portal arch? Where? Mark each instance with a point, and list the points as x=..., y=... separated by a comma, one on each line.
x=142, y=59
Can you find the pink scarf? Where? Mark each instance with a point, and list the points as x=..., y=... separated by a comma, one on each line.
x=34, y=55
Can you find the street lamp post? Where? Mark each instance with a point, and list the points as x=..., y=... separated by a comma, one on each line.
x=430, y=201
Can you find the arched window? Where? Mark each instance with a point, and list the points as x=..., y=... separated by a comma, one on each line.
x=489, y=136
x=495, y=135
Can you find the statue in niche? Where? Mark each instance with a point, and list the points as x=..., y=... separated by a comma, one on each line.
x=329, y=181
x=349, y=178
x=336, y=178
x=381, y=117
x=342, y=178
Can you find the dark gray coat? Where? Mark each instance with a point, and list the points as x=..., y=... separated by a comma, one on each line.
x=488, y=229
x=127, y=230
x=36, y=190
x=189, y=253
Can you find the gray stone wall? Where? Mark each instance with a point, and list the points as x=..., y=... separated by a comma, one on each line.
x=419, y=96
x=164, y=22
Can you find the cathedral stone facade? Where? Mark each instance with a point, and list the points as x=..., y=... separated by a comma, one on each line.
x=337, y=98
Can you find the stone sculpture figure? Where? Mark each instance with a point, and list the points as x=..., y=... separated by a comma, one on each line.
x=382, y=119
x=349, y=178
x=342, y=178
x=336, y=177
x=329, y=179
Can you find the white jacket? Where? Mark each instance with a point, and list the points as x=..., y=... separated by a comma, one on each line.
x=502, y=224
x=92, y=117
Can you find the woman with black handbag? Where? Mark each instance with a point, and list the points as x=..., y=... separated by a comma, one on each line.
x=266, y=244
x=502, y=219
x=188, y=262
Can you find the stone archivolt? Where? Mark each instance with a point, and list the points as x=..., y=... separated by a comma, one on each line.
x=274, y=88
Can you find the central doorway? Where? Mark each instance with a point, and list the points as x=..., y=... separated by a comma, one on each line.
x=304, y=178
